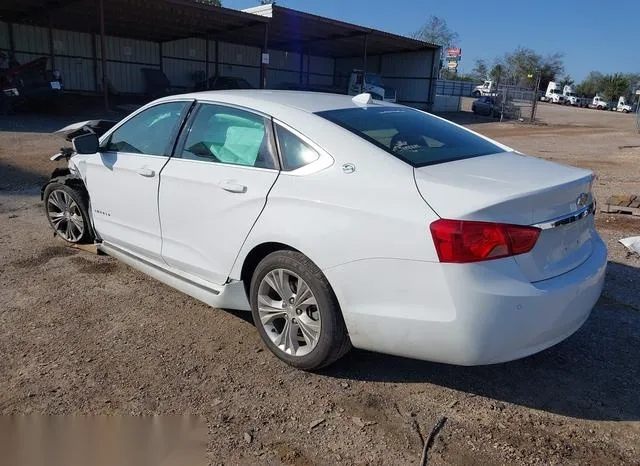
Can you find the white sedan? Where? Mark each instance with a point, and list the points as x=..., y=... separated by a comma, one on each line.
x=341, y=222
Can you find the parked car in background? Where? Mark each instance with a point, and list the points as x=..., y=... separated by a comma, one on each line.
x=494, y=107
x=31, y=82
x=486, y=105
x=216, y=83
x=340, y=221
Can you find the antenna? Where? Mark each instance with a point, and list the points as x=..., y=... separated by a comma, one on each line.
x=362, y=99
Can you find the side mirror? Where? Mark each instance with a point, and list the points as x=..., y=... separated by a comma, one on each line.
x=86, y=144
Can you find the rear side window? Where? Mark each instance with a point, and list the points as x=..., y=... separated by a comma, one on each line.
x=294, y=151
x=415, y=137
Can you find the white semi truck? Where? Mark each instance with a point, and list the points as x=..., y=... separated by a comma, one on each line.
x=622, y=106
x=553, y=94
x=570, y=97
x=599, y=103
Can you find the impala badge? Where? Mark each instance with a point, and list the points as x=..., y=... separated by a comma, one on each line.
x=582, y=200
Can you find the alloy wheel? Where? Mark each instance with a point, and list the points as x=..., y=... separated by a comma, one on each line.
x=65, y=215
x=289, y=312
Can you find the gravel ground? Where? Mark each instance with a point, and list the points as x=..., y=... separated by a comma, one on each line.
x=84, y=334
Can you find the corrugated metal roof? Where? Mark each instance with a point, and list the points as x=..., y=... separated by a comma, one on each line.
x=165, y=20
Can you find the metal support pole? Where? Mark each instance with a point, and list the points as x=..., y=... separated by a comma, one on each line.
x=301, y=66
x=12, y=45
x=263, y=66
x=308, y=67
x=160, y=55
x=364, y=59
x=103, y=56
x=94, y=55
x=52, y=54
x=217, y=49
x=206, y=62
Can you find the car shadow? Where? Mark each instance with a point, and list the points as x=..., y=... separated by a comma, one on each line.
x=595, y=374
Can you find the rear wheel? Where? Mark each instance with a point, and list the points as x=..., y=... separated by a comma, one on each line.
x=296, y=312
x=66, y=210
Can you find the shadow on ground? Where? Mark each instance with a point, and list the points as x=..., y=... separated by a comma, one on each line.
x=595, y=374
x=18, y=181
x=50, y=116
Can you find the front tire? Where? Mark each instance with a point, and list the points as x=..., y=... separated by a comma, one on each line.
x=66, y=211
x=296, y=312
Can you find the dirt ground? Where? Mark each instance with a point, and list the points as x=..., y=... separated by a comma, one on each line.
x=84, y=334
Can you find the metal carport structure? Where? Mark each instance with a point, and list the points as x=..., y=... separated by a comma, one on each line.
x=101, y=43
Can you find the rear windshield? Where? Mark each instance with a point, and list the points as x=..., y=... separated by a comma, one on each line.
x=415, y=137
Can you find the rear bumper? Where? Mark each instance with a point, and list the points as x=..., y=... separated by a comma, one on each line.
x=465, y=314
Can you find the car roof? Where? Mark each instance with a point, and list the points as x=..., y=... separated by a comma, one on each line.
x=273, y=102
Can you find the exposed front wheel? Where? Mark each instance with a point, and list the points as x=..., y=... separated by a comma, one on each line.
x=296, y=312
x=66, y=210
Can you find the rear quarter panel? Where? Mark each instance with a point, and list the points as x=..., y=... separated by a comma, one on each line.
x=334, y=217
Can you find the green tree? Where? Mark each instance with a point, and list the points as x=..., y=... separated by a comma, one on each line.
x=566, y=81
x=497, y=72
x=480, y=71
x=591, y=85
x=437, y=31
x=614, y=86
x=210, y=2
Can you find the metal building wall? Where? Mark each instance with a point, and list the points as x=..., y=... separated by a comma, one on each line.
x=30, y=42
x=4, y=36
x=184, y=61
x=240, y=61
x=125, y=60
x=320, y=70
x=412, y=75
x=73, y=57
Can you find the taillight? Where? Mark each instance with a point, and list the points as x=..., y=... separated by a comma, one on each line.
x=468, y=241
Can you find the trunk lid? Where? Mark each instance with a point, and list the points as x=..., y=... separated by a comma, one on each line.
x=512, y=188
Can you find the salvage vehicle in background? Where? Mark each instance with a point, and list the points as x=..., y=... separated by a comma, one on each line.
x=486, y=88
x=31, y=82
x=598, y=103
x=340, y=222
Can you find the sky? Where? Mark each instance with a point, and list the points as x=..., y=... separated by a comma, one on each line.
x=591, y=34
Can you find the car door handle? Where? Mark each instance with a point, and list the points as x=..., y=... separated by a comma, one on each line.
x=147, y=172
x=233, y=187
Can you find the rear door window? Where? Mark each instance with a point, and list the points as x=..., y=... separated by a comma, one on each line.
x=229, y=135
x=415, y=137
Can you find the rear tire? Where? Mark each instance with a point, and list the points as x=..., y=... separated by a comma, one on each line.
x=66, y=209
x=296, y=312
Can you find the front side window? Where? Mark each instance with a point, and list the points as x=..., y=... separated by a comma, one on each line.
x=228, y=135
x=415, y=137
x=150, y=132
x=294, y=151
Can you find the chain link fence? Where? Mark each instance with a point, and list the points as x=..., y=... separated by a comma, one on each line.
x=505, y=102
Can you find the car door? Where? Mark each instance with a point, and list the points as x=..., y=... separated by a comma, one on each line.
x=122, y=179
x=214, y=188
